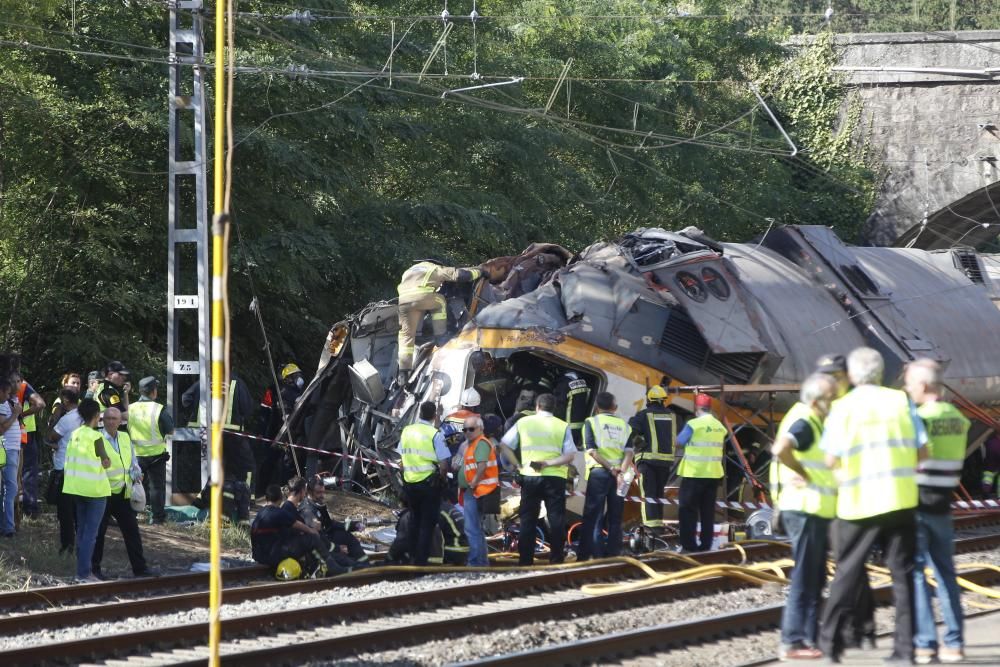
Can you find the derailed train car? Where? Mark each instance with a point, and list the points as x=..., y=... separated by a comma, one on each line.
x=659, y=306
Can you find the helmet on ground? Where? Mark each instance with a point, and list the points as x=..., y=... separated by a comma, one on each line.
x=289, y=369
x=471, y=398
x=656, y=394
x=702, y=401
x=288, y=570
x=138, y=499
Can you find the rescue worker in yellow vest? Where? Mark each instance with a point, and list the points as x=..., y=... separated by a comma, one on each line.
x=425, y=464
x=873, y=440
x=480, y=478
x=937, y=479
x=547, y=449
x=151, y=424
x=654, y=430
x=606, y=441
x=699, y=447
x=86, y=481
x=805, y=492
x=418, y=295
x=123, y=473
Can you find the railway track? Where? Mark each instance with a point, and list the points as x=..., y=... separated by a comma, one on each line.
x=334, y=631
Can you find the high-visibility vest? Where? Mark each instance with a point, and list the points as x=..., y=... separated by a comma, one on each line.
x=144, y=428
x=424, y=278
x=27, y=423
x=658, y=426
x=578, y=395
x=947, y=435
x=540, y=438
x=491, y=478
x=121, y=463
x=879, y=466
x=227, y=414
x=819, y=496
x=419, y=459
x=703, y=453
x=989, y=479
x=83, y=474
x=611, y=435
x=458, y=417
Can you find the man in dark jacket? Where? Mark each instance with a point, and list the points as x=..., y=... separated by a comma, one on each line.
x=316, y=514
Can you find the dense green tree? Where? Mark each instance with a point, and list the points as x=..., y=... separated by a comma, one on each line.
x=343, y=176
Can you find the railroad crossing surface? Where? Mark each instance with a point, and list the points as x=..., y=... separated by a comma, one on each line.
x=982, y=645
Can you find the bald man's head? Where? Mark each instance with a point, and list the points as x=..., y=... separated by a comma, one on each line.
x=112, y=420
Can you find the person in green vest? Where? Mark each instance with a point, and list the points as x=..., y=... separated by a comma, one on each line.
x=937, y=479
x=873, y=440
x=86, y=481
x=151, y=424
x=606, y=439
x=424, y=459
x=122, y=474
x=699, y=449
x=547, y=448
x=806, y=494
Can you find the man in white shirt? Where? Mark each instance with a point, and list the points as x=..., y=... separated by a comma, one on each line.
x=58, y=438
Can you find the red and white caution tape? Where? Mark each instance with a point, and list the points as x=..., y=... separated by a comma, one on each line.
x=723, y=504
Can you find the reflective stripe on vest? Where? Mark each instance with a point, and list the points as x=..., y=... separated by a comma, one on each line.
x=144, y=428
x=227, y=414
x=703, y=453
x=419, y=460
x=819, y=496
x=83, y=474
x=576, y=393
x=121, y=463
x=491, y=477
x=410, y=285
x=27, y=423
x=879, y=468
x=947, y=435
x=610, y=435
x=541, y=437
x=659, y=451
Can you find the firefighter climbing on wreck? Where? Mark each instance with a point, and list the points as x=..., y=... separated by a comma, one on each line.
x=418, y=295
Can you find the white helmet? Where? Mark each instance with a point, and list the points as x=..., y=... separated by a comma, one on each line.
x=471, y=398
x=138, y=499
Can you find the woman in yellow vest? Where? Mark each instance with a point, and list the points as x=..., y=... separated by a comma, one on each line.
x=86, y=480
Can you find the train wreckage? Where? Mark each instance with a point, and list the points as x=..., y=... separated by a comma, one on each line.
x=660, y=307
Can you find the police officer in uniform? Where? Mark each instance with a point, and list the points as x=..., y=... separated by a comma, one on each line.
x=875, y=438
x=112, y=391
x=425, y=463
x=699, y=447
x=606, y=438
x=151, y=424
x=654, y=431
x=547, y=449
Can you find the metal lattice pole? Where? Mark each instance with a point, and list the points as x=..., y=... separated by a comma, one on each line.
x=187, y=249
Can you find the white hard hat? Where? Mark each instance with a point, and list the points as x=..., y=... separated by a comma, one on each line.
x=471, y=398
x=138, y=499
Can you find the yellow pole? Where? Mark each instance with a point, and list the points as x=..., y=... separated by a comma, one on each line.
x=217, y=355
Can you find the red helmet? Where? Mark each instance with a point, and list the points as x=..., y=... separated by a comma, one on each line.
x=702, y=401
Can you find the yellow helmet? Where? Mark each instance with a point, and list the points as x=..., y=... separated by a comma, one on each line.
x=656, y=394
x=288, y=369
x=288, y=570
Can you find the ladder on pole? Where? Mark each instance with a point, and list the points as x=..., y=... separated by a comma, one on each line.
x=188, y=249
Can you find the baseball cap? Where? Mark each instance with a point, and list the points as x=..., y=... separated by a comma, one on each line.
x=831, y=363
x=148, y=383
x=702, y=401
x=116, y=367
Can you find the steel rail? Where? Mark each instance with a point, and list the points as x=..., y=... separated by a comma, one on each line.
x=269, y=624
x=59, y=618
x=657, y=638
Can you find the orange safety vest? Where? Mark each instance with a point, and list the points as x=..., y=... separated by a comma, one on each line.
x=491, y=478
x=458, y=417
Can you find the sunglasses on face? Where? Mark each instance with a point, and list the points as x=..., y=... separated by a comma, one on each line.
x=470, y=430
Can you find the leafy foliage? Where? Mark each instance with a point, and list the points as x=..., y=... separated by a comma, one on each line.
x=342, y=178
